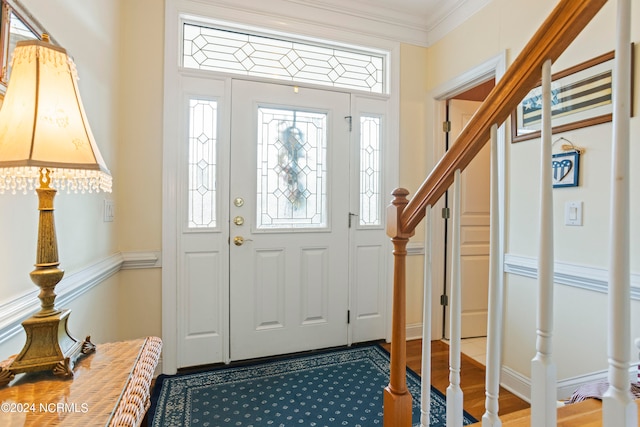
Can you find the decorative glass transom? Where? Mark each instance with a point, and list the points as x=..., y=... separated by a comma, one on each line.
x=292, y=170
x=226, y=51
x=370, y=171
x=203, y=115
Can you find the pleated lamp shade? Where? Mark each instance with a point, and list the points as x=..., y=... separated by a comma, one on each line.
x=43, y=124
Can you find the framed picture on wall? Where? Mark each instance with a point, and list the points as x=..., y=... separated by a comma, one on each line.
x=565, y=169
x=580, y=97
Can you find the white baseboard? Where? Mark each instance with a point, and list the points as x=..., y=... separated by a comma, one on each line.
x=414, y=331
x=520, y=385
x=15, y=311
x=516, y=383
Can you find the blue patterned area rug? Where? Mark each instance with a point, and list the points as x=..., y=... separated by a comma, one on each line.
x=334, y=388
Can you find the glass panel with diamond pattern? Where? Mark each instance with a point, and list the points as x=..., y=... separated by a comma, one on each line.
x=202, y=163
x=292, y=170
x=206, y=48
x=370, y=171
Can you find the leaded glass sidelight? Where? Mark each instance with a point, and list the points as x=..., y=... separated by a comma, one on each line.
x=292, y=170
x=203, y=133
x=370, y=171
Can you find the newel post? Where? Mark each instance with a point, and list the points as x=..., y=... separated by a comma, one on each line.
x=397, y=399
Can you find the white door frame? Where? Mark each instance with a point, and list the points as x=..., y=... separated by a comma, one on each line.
x=174, y=10
x=436, y=108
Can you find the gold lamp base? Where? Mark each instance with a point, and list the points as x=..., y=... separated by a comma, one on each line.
x=49, y=346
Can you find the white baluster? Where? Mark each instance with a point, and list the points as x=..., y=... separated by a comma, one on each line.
x=543, y=369
x=496, y=298
x=454, y=392
x=425, y=397
x=619, y=410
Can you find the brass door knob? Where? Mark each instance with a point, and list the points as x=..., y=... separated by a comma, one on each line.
x=238, y=240
x=238, y=220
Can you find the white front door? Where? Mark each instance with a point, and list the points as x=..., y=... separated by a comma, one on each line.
x=289, y=210
x=474, y=228
x=280, y=219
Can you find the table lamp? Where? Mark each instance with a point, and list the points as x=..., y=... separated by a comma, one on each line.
x=46, y=143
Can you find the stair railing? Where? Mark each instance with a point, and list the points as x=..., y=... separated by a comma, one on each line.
x=556, y=33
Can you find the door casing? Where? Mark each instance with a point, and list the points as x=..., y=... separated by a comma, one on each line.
x=494, y=67
x=175, y=12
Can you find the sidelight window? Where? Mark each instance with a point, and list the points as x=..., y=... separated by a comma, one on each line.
x=370, y=171
x=203, y=115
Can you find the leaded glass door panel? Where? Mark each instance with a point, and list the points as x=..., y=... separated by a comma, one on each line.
x=289, y=251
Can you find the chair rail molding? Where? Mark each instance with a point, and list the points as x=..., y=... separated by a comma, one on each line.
x=579, y=276
x=135, y=260
x=73, y=285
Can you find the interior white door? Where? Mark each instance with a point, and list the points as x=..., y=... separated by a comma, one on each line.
x=474, y=229
x=289, y=237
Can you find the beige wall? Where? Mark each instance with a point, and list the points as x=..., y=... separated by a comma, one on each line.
x=89, y=32
x=139, y=201
x=118, y=46
x=139, y=185
x=580, y=316
x=414, y=157
x=118, y=50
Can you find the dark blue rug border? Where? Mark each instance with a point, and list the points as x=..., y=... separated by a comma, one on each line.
x=155, y=394
x=157, y=388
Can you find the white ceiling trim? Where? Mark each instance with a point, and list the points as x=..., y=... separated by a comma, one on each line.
x=393, y=24
x=369, y=12
x=462, y=11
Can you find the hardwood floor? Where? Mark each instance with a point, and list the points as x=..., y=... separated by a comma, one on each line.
x=472, y=378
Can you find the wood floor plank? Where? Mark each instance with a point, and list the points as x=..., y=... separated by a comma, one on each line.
x=514, y=412
x=472, y=378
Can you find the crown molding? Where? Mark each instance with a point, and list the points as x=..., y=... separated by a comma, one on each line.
x=452, y=18
x=355, y=17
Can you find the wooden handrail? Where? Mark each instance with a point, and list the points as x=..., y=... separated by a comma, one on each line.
x=557, y=32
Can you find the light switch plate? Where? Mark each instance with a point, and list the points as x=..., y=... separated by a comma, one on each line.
x=108, y=210
x=573, y=213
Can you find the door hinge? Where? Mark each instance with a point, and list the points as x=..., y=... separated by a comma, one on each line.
x=446, y=126
x=349, y=120
x=446, y=213
x=348, y=317
x=444, y=300
x=351, y=215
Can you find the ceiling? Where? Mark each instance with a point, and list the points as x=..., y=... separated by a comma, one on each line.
x=427, y=12
x=418, y=22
